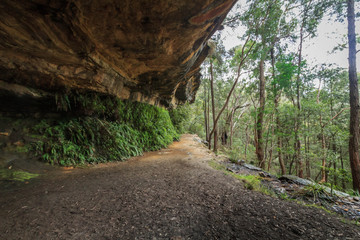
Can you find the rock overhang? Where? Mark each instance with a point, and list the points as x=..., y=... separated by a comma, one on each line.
x=147, y=51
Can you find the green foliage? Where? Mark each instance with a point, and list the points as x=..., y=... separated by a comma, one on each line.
x=285, y=71
x=216, y=165
x=314, y=190
x=306, y=114
x=180, y=117
x=117, y=130
x=251, y=182
x=8, y=174
x=353, y=193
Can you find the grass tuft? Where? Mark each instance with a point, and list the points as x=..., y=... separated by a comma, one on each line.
x=12, y=175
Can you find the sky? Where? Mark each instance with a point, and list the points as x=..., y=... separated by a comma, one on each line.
x=316, y=50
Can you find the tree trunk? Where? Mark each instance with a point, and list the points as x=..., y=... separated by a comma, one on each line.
x=327, y=171
x=298, y=104
x=291, y=165
x=208, y=116
x=231, y=132
x=342, y=167
x=335, y=177
x=246, y=141
x=205, y=115
x=323, y=159
x=271, y=150
x=260, y=117
x=308, y=169
x=354, y=99
x=334, y=148
x=213, y=107
x=281, y=161
x=277, y=117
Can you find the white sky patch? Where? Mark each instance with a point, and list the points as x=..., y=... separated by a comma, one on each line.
x=318, y=49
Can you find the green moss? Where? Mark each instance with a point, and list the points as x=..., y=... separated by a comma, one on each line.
x=313, y=205
x=214, y=164
x=7, y=174
x=251, y=182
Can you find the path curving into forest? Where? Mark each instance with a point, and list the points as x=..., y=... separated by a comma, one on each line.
x=168, y=194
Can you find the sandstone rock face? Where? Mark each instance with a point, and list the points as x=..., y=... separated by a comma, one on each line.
x=148, y=51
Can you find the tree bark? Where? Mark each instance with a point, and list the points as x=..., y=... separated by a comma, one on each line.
x=354, y=99
x=277, y=117
x=246, y=141
x=307, y=149
x=323, y=159
x=298, y=105
x=342, y=167
x=271, y=149
x=260, y=117
x=208, y=116
x=213, y=108
x=205, y=114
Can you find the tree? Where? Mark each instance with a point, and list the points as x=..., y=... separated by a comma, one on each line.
x=244, y=52
x=354, y=98
x=292, y=124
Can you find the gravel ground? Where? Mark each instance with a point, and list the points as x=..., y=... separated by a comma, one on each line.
x=168, y=194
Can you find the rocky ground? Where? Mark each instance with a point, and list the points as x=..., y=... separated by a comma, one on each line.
x=295, y=188
x=168, y=194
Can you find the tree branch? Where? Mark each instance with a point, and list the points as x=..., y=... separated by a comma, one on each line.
x=336, y=115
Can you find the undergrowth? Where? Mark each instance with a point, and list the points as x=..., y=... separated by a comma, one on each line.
x=16, y=175
x=180, y=117
x=251, y=182
x=108, y=129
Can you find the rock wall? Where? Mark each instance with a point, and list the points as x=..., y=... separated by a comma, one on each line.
x=148, y=51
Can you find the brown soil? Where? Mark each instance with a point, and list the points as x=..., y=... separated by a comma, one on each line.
x=168, y=194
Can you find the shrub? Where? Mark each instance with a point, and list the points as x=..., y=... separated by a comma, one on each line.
x=111, y=130
x=180, y=117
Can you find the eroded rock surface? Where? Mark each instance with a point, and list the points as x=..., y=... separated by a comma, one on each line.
x=148, y=51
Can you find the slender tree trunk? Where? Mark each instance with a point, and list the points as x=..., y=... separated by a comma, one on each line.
x=335, y=177
x=327, y=171
x=271, y=149
x=231, y=132
x=260, y=117
x=354, y=99
x=342, y=167
x=246, y=141
x=307, y=150
x=297, y=137
x=281, y=161
x=323, y=159
x=213, y=108
x=208, y=116
x=317, y=176
x=291, y=165
x=298, y=104
x=323, y=144
x=277, y=117
x=334, y=148
x=205, y=115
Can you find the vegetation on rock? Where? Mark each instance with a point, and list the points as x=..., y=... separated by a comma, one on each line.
x=101, y=128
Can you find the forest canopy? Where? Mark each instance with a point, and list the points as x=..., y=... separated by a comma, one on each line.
x=263, y=102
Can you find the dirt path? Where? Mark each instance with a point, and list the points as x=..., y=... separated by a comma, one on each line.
x=169, y=194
